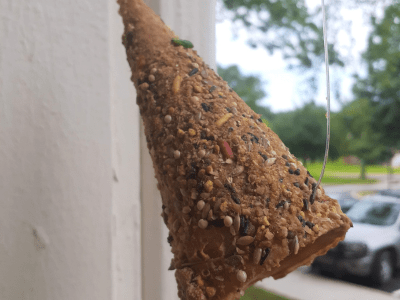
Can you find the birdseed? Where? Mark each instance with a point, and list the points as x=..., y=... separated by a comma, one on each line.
x=203, y=224
x=241, y=276
x=257, y=256
x=236, y=223
x=177, y=154
x=245, y=240
x=205, y=211
x=200, y=204
x=194, y=71
x=305, y=205
x=264, y=255
x=228, y=221
x=167, y=119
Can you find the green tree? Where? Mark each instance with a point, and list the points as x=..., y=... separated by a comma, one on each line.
x=285, y=25
x=381, y=84
x=360, y=138
x=303, y=131
x=249, y=88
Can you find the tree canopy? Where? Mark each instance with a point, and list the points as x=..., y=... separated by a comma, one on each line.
x=381, y=84
x=303, y=130
x=249, y=88
x=287, y=26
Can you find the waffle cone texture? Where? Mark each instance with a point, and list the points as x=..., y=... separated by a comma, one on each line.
x=237, y=203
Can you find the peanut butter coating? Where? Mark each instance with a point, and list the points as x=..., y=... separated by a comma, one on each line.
x=235, y=200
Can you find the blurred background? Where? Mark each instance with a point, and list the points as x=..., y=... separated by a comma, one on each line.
x=277, y=67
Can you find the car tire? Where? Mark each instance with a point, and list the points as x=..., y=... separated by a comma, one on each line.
x=315, y=268
x=383, y=268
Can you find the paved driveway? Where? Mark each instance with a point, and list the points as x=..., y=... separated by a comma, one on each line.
x=384, y=183
x=303, y=285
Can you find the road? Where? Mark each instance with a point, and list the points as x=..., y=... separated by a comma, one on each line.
x=384, y=183
x=305, y=285
x=392, y=286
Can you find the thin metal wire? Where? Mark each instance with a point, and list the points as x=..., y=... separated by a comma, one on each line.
x=328, y=100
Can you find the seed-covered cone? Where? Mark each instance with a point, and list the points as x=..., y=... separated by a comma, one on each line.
x=237, y=203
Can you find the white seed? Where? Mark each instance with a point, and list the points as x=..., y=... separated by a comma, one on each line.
x=203, y=224
x=228, y=221
x=257, y=256
x=201, y=153
x=167, y=118
x=186, y=210
x=271, y=161
x=195, y=65
x=153, y=71
x=200, y=205
x=152, y=78
x=241, y=276
x=177, y=154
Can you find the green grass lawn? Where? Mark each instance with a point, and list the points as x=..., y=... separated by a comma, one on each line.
x=344, y=180
x=253, y=293
x=334, y=169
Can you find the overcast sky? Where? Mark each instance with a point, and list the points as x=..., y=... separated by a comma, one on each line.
x=281, y=84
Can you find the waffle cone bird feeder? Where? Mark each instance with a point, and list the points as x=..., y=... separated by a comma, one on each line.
x=238, y=205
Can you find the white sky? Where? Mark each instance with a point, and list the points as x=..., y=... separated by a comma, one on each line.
x=283, y=85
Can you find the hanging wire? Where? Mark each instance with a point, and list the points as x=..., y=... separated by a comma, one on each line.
x=328, y=102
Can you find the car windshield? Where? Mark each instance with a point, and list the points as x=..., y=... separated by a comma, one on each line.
x=375, y=213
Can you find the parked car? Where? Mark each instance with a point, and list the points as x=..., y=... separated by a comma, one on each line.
x=345, y=200
x=372, y=247
x=388, y=192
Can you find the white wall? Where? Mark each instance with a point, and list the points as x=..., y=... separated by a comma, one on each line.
x=67, y=119
x=72, y=225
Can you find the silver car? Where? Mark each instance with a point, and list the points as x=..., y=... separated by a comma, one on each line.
x=372, y=247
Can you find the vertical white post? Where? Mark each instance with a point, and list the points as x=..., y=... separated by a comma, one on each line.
x=69, y=154
x=195, y=21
